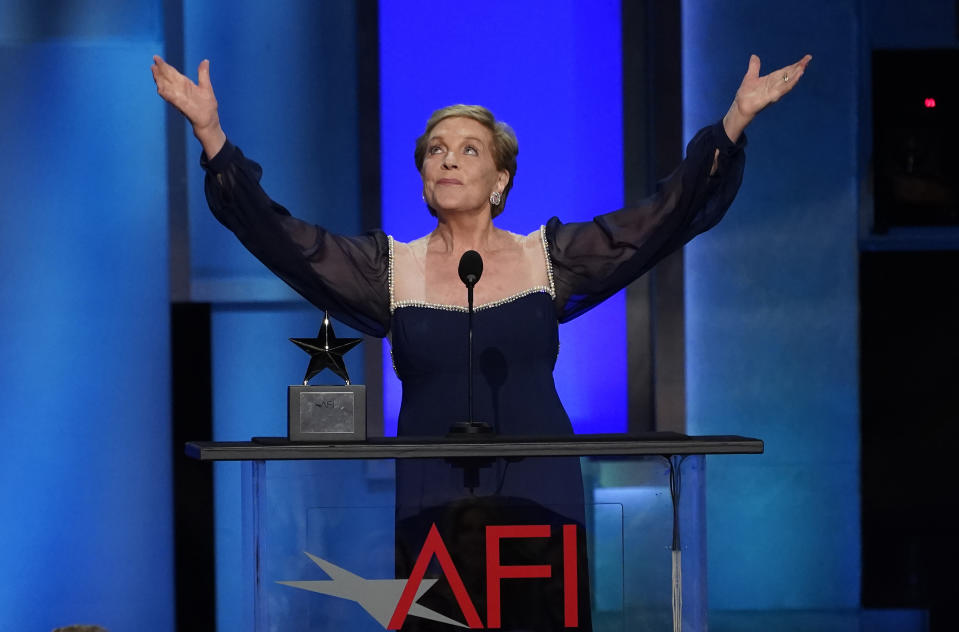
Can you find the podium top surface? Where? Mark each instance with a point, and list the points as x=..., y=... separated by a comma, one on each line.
x=609, y=445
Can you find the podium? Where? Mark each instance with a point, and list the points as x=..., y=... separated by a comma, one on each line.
x=331, y=544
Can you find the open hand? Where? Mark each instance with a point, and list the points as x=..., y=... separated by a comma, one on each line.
x=756, y=92
x=195, y=101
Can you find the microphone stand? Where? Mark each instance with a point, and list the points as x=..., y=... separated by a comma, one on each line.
x=469, y=356
x=470, y=269
x=471, y=465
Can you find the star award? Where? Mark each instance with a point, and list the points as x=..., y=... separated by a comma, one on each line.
x=326, y=413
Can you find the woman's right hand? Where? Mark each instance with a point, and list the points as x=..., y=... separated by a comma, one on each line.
x=195, y=101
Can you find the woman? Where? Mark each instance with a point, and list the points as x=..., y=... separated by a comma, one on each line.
x=467, y=161
x=412, y=292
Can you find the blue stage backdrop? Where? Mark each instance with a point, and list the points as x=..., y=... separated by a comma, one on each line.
x=771, y=310
x=84, y=310
x=552, y=70
x=770, y=293
x=285, y=78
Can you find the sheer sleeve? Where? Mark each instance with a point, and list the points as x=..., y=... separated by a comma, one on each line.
x=594, y=260
x=346, y=275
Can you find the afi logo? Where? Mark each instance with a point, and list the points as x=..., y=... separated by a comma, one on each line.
x=390, y=601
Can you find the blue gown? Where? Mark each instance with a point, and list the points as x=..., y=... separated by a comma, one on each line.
x=514, y=347
x=515, y=343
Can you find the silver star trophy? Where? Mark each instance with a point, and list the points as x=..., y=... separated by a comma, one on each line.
x=325, y=414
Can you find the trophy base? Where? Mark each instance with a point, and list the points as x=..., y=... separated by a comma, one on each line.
x=326, y=414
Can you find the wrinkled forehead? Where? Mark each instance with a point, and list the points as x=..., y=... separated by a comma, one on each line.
x=459, y=127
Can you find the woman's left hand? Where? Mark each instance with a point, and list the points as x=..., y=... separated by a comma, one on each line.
x=756, y=92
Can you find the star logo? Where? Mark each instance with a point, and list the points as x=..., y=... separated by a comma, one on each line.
x=326, y=351
x=379, y=597
x=390, y=601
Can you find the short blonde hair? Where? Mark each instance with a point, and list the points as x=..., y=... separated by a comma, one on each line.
x=505, y=146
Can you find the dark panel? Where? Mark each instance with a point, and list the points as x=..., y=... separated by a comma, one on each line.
x=637, y=181
x=192, y=481
x=368, y=104
x=368, y=110
x=669, y=325
x=915, y=132
x=652, y=122
x=909, y=368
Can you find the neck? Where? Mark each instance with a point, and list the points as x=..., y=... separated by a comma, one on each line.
x=460, y=232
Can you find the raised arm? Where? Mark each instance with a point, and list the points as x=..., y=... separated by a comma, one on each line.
x=349, y=276
x=346, y=275
x=195, y=101
x=756, y=92
x=593, y=260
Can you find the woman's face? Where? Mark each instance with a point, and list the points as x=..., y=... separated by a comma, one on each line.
x=458, y=170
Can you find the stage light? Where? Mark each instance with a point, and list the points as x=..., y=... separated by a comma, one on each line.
x=930, y=102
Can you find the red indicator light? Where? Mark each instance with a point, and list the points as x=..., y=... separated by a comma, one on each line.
x=930, y=102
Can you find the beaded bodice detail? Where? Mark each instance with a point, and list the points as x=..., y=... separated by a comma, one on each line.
x=515, y=342
x=525, y=269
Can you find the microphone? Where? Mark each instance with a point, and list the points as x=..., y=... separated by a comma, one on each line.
x=470, y=271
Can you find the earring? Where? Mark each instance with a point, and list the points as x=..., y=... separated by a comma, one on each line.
x=494, y=198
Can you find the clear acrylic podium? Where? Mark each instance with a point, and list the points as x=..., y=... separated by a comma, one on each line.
x=321, y=523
